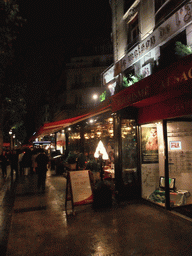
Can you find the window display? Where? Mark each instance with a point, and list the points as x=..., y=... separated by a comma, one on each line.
x=180, y=159
x=152, y=159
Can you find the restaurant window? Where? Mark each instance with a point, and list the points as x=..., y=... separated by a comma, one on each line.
x=152, y=163
x=179, y=139
x=74, y=140
x=98, y=132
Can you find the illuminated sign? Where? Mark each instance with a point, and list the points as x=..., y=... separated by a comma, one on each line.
x=175, y=145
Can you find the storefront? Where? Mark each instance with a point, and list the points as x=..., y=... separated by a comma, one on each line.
x=91, y=138
x=160, y=108
x=146, y=130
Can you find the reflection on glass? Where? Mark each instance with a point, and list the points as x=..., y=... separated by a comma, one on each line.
x=152, y=163
x=129, y=150
x=180, y=163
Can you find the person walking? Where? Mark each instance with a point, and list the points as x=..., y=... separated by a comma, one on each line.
x=42, y=161
x=4, y=162
x=14, y=163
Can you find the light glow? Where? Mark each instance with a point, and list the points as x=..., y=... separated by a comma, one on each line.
x=100, y=150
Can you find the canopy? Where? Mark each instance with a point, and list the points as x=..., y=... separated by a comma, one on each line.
x=53, y=127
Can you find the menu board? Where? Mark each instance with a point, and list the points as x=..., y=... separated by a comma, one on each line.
x=81, y=187
x=180, y=162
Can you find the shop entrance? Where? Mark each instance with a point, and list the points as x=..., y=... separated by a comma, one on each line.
x=129, y=151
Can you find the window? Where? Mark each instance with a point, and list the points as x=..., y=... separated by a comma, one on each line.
x=164, y=9
x=127, y=4
x=133, y=32
x=168, y=53
x=96, y=80
x=158, y=4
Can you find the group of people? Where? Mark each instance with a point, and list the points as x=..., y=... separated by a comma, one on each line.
x=25, y=162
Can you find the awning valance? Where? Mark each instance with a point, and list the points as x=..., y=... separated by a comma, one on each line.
x=53, y=127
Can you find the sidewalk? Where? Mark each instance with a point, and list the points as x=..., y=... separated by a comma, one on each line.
x=40, y=226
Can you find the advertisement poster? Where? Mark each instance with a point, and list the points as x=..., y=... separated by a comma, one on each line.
x=81, y=187
x=149, y=145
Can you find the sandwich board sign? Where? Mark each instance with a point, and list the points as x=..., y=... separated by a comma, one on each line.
x=78, y=188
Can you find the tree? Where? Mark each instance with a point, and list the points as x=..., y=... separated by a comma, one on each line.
x=10, y=101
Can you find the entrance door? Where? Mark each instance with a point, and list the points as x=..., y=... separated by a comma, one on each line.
x=129, y=158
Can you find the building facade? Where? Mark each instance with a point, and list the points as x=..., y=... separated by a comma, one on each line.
x=151, y=78
x=150, y=104
x=83, y=84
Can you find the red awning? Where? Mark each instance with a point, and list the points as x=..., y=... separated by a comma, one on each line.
x=52, y=127
x=168, y=83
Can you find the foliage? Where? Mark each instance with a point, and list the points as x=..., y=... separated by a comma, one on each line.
x=10, y=21
x=106, y=94
x=131, y=79
x=182, y=50
x=103, y=96
x=12, y=105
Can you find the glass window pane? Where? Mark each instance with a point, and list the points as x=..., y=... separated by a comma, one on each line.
x=129, y=150
x=152, y=163
x=180, y=162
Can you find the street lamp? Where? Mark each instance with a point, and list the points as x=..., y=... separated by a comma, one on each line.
x=95, y=97
x=11, y=135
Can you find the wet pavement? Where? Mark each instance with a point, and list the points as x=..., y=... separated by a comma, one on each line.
x=37, y=224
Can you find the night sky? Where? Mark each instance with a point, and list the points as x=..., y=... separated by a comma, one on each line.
x=53, y=32
x=66, y=21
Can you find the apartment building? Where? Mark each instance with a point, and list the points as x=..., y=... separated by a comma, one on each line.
x=83, y=84
x=147, y=121
x=145, y=33
x=151, y=98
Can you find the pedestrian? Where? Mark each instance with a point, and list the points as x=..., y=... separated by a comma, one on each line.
x=4, y=162
x=20, y=158
x=27, y=161
x=42, y=161
x=14, y=163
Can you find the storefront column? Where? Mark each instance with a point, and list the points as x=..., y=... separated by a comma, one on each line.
x=118, y=154
x=82, y=143
x=139, y=158
x=67, y=140
x=167, y=195
x=55, y=141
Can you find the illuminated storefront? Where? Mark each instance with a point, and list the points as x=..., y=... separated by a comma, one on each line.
x=146, y=130
x=163, y=117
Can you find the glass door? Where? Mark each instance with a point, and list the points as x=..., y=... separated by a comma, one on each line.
x=129, y=157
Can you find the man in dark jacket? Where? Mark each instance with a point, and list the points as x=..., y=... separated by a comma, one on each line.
x=42, y=161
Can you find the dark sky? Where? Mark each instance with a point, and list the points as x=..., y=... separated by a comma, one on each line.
x=66, y=21
x=52, y=33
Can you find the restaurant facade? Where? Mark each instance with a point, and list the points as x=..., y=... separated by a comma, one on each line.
x=147, y=135
x=145, y=128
